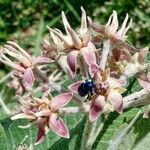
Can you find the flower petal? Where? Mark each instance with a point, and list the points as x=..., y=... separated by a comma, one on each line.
x=42, y=60
x=75, y=39
x=114, y=83
x=97, y=107
x=74, y=87
x=72, y=62
x=22, y=116
x=144, y=84
x=114, y=23
x=90, y=58
x=65, y=22
x=28, y=77
x=58, y=126
x=93, y=68
x=121, y=30
x=60, y=101
x=88, y=55
x=83, y=20
x=41, y=131
x=115, y=99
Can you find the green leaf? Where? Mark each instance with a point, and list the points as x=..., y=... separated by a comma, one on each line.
x=124, y=129
x=138, y=137
x=38, y=38
x=2, y=138
x=112, y=124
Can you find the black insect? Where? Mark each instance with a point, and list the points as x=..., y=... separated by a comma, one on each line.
x=86, y=88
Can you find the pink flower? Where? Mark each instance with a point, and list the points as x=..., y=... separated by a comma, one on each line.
x=75, y=44
x=45, y=114
x=136, y=63
x=25, y=63
x=111, y=31
x=108, y=90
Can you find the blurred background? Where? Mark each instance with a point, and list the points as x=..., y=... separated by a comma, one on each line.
x=25, y=21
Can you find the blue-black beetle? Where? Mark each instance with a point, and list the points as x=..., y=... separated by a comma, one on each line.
x=86, y=88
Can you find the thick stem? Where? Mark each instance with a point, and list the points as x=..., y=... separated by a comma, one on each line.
x=91, y=135
x=6, y=109
x=136, y=99
x=85, y=136
x=6, y=77
x=100, y=127
x=105, y=52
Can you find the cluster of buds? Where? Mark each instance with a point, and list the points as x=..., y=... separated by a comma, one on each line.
x=96, y=52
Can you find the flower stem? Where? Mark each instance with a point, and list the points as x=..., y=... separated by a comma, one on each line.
x=86, y=133
x=105, y=52
x=6, y=77
x=2, y=103
x=136, y=99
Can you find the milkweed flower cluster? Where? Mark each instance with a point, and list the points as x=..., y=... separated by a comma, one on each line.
x=45, y=113
x=97, y=52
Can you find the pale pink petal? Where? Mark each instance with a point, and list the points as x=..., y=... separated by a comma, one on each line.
x=58, y=126
x=96, y=108
x=121, y=30
x=42, y=60
x=74, y=87
x=93, y=68
x=90, y=58
x=72, y=62
x=28, y=77
x=13, y=65
x=75, y=39
x=88, y=55
x=22, y=116
x=116, y=100
x=114, y=83
x=41, y=131
x=114, y=23
x=60, y=101
x=144, y=84
x=65, y=22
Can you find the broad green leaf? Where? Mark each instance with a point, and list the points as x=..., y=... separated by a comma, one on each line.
x=2, y=138
x=113, y=122
x=38, y=38
x=124, y=129
x=138, y=137
x=144, y=143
